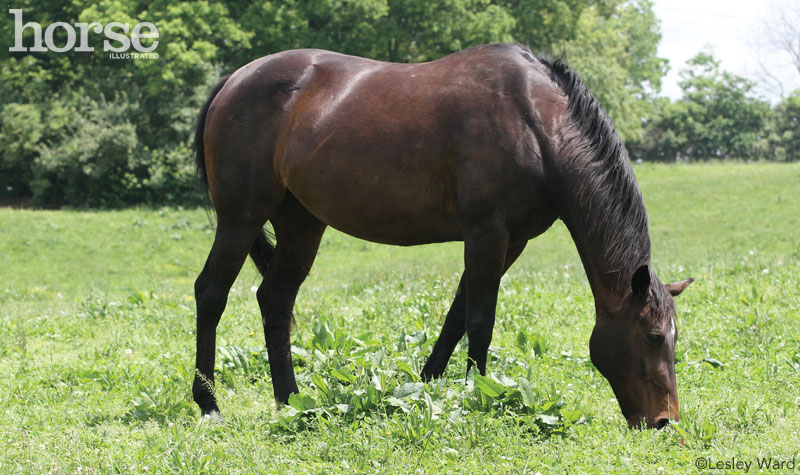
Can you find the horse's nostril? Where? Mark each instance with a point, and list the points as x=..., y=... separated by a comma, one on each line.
x=661, y=423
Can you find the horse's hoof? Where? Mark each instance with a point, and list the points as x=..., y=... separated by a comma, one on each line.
x=213, y=416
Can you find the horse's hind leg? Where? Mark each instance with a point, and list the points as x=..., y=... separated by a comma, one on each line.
x=455, y=323
x=298, y=234
x=231, y=245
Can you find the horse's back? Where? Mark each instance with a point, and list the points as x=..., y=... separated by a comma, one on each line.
x=416, y=149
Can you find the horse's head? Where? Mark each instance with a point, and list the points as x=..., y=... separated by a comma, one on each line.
x=633, y=346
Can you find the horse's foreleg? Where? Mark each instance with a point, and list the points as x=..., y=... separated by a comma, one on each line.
x=298, y=235
x=231, y=244
x=485, y=248
x=454, y=324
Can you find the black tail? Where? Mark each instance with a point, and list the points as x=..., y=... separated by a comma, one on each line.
x=199, y=149
x=262, y=250
x=261, y=253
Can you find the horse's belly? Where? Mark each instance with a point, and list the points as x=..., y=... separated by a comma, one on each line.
x=378, y=203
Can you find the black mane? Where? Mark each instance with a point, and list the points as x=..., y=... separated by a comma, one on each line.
x=610, y=205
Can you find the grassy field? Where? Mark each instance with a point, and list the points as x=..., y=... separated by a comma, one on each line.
x=97, y=348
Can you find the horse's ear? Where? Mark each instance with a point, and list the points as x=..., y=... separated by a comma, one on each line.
x=676, y=288
x=640, y=282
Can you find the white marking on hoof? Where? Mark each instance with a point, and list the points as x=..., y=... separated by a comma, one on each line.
x=213, y=416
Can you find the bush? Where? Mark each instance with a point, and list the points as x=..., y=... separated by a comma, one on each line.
x=716, y=118
x=20, y=130
x=781, y=141
x=86, y=157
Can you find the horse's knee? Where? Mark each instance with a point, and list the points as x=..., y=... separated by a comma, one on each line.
x=276, y=305
x=201, y=284
x=262, y=294
x=479, y=333
x=210, y=300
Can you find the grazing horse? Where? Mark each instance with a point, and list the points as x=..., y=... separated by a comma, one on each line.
x=488, y=146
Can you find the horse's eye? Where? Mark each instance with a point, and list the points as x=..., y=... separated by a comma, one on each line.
x=655, y=339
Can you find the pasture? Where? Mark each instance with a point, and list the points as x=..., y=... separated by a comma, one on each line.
x=97, y=347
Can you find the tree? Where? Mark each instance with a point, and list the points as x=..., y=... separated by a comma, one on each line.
x=388, y=30
x=716, y=118
x=780, y=44
x=149, y=105
x=544, y=25
x=60, y=112
x=614, y=49
x=781, y=136
x=724, y=120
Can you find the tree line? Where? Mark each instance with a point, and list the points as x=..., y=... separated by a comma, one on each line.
x=86, y=129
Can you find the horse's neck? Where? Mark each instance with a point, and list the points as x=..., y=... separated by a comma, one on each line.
x=605, y=214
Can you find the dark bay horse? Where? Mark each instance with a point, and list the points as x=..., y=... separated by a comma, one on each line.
x=488, y=146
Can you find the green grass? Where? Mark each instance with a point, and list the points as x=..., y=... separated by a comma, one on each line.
x=97, y=347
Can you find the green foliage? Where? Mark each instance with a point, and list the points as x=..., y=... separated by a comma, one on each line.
x=86, y=157
x=780, y=138
x=419, y=30
x=545, y=24
x=614, y=50
x=99, y=131
x=389, y=30
x=56, y=107
x=717, y=118
x=84, y=129
x=20, y=133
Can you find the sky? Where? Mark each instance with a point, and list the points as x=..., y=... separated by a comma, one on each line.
x=732, y=28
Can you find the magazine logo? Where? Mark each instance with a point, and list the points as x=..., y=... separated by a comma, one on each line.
x=116, y=34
